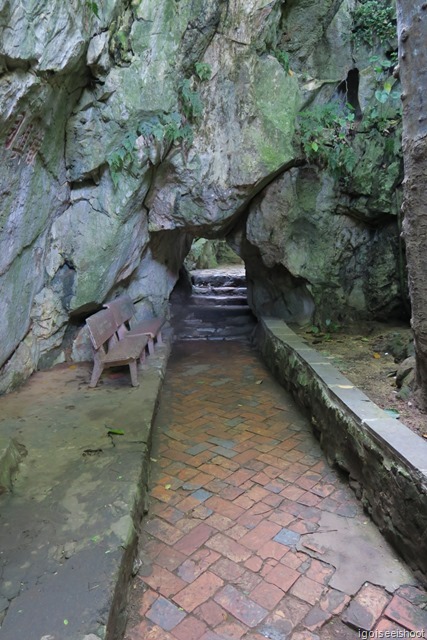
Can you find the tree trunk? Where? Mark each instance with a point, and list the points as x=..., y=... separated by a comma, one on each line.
x=412, y=33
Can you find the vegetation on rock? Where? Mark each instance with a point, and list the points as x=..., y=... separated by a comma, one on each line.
x=166, y=127
x=374, y=22
x=325, y=136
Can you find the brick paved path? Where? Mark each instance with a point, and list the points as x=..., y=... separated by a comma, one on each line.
x=239, y=484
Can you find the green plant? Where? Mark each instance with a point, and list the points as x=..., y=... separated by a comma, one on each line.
x=323, y=332
x=385, y=92
x=170, y=127
x=386, y=114
x=122, y=158
x=175, y=129
x=282, y=57
x=374, y=20
x=191, y=103
x=151, y=129
x=331, y=326
x=324, y=131
x=203, y=71
x=93, y=7
x=381, y=65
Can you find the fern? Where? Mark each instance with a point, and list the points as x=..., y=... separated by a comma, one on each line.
x=170, y=127
x=374, y=21
x=203, y=71
x=324, y=133
x=282, y=57
x=191, y=103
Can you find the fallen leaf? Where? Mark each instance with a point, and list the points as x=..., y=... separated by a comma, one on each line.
x=345, y=386
x=65, y=622
x=153, y=459
x=393, y=413
x=115, y=432
x=259, y=382
x=376, y=355
x=168, y=486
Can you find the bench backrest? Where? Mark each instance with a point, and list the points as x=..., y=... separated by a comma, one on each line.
x=122, y=309
x=102, y=327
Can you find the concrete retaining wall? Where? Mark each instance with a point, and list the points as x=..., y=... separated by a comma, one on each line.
x=386, y=462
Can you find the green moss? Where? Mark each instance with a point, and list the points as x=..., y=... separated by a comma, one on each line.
x=271, y=155
x=276, y=98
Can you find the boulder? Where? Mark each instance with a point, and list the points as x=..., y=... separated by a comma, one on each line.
x=406, y=372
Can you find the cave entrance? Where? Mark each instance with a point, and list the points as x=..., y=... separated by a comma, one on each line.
x=210, y=299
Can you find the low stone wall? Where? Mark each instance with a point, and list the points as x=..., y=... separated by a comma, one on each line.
x=385, y=461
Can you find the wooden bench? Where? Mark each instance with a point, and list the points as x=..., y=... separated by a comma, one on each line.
x=109, y=350
x=123, y=311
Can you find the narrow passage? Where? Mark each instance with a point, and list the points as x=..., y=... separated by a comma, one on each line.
x=250, y=534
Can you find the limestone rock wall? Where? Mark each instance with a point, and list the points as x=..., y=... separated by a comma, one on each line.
x=321, y=247
x=117, y=152
x=320, y=264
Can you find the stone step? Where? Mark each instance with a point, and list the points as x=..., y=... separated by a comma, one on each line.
x=215, y=333
x=217, y=312
x=204, y=327
x=218, y=301
x=218, y=279
x=220, y=291
x=233, y=321
x=218, y=308
x=209, y=323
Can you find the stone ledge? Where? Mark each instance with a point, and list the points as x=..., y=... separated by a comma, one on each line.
x=386, y=462
x=70, y=524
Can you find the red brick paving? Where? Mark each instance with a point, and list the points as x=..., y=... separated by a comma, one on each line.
x=366, y=608
x=238, y=479
x=406, y=614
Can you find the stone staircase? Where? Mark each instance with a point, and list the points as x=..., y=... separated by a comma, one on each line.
x=217, y=308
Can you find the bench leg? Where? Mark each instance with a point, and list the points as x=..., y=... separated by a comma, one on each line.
x=142, y=356
x=122, y=331
x=98, y=368
x=159, y=339
x=150, y=345
x=133, y=373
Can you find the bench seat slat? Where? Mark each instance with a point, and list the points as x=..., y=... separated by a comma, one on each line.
x=125, y=350
x=148, y=327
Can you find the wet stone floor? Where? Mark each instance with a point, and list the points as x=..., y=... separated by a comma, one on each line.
x=250, y=534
